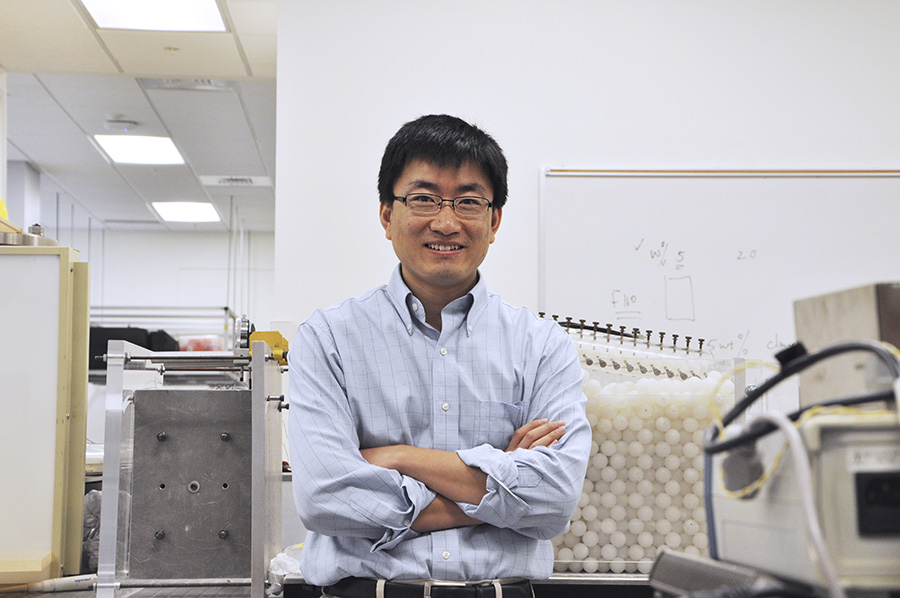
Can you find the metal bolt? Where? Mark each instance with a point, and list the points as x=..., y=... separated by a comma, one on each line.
x=159, y=535
x=225, y=436
x=162, y=436
x=223, y=534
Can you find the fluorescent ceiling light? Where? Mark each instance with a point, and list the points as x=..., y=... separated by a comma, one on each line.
x=186, y=211
x=139, y=149
x=156, y=15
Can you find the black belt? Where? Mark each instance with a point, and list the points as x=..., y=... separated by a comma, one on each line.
x=357, y=587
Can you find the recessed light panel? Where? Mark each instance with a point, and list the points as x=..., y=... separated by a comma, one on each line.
x=139, y=149
x=186, y=211
x=156, y=15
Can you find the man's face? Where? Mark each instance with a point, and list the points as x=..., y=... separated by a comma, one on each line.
x=440, y=254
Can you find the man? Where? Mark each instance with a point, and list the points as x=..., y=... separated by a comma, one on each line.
x=436, y=432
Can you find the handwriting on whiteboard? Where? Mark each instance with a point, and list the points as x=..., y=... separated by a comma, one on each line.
x=662, y=254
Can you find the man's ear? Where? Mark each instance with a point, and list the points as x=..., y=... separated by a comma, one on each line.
x=385, y=212
x=496, y=215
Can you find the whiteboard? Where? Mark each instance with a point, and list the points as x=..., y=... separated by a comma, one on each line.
x=712, y=254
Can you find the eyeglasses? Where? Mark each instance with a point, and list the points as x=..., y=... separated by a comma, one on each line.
x=428, y=204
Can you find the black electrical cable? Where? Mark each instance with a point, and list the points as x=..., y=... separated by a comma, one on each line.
x=796, y=366
x=763, y=428
x=801, y=363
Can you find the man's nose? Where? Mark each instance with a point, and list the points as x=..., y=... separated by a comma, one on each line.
x=446, y=219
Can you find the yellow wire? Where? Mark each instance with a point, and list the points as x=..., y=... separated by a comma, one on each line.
x=717, y=417
x=804, y=417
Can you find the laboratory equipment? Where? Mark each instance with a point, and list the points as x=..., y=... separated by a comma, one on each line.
x=192, y=466
x=814, y=496
x=649, y=400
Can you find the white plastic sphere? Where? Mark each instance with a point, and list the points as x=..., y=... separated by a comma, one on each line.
x=608, y=526
x=635, y=526
x=579, y=528
x=599, y=461
x=691, y=527
x=580, y=552
x=645, y=513
x=663, y=526
x=608, y=500
x=662, y=500
x=691, y=475
x=645, y=436
x=701, y=540
x=645, y=539
x=691, y=501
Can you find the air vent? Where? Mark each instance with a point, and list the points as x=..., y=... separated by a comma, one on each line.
x=235, y=181
x=187, y=84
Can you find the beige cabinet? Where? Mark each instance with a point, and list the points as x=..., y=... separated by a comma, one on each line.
x=43, y=394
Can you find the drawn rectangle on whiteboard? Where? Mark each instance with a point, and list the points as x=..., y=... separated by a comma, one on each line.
x=680, y=298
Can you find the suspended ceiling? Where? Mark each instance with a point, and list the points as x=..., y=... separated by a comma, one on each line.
x=212, y=93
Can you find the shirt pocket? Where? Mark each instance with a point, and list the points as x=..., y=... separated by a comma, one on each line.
x=494, y=421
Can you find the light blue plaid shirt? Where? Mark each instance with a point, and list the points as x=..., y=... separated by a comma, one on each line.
x=370, y=372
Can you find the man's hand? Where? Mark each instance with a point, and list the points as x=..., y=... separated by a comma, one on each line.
x=539, y=432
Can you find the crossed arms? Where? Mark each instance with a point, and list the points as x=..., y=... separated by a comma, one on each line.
x=450, y=478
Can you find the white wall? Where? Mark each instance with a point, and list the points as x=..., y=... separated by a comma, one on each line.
x=23, y=194
x=185, y=269
x=772, y=84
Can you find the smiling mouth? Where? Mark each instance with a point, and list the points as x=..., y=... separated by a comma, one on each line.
x=437, y=247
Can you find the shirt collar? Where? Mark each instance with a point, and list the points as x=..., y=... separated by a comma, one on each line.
x=402, y=299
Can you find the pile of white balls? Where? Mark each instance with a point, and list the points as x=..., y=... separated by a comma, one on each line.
x=644, y=483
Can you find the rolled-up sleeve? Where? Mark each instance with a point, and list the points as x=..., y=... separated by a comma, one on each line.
x=535, y=491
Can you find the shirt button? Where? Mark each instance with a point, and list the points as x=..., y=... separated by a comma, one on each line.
x=443, y=350
x=445, y=555
x=415, y=307
x=469, y=328
x=407, y=523
x=446, y=406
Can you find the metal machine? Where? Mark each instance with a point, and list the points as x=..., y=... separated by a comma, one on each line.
x=814, y=502
x=192, y=466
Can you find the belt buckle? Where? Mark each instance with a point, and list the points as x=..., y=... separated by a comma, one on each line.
x=433, y=582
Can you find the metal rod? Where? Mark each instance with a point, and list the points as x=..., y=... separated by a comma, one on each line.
x=184, y=583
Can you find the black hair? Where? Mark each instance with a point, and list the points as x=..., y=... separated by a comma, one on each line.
x=445, y=141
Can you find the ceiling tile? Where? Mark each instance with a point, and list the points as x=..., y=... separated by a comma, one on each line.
x=48, y=36
x=175, y=54
x=256, y=18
